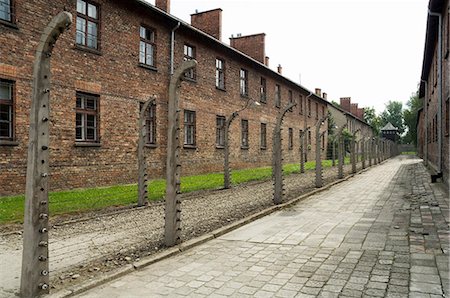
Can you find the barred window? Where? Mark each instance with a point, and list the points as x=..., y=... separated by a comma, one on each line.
x=6, y=110
x=147, y=46
x=6, y=10
x=243, y=74
x=301, y=105
x=150, y=125
x=291, y=139
x=290, y=98
x=317, y=110
x=277, y=96
x=220, y=131
x=263, y=91
x=189, y=128
x=323, y=111
x=87, y=117
x=309, y=107
x=189, y=54
x=220, y=74
x=263, y=135
x=87, y=24
x=244, y=136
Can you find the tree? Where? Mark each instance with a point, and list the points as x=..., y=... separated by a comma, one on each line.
x=414, y=104
x=372, y=119
x=393, y=113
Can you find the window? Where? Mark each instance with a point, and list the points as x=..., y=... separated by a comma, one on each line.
x=263, y=135
x=189, y=54
x=220, y=131
x=87, y=24
x=301, y=105
x=189, y=128
x=317, y=110
x=291, y=99
x=244, y=129
x=447, y=120
x=277, y=96
x=6, y=110
x=147, y=47
x=150, y=125
x=6, y=12
x=243, y=75
x=263, y=91
x=87, y=117
x=220, y=74
x=323, y=111
x=309, y=107
x=291, y=139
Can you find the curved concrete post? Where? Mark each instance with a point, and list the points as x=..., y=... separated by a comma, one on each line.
x=142, y=163
x=35, y=268
x=369, y=151
x=172, y=226
x=354, y=156
x=363, y=153
x=318, y=181
x=277, y=161
x=302, y=149
x=341, y=153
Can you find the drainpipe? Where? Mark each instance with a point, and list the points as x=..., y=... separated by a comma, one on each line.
x=439, y=58
x=425, y=110
x=305, y=138
x=172, y=46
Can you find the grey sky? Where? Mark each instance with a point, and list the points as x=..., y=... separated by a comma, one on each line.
x=370, y=50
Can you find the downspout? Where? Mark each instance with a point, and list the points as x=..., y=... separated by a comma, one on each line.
x=439, y=58
x=172, y=47
x=425, y=109
x=305, y=135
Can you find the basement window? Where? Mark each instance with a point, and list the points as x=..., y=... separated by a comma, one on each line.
x=6, y=110
x=189, y=128
x=263, y=136
x=220, y=131
x=87, y=118
x=244, y=134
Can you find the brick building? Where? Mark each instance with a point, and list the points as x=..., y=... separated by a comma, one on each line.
x=435, y=90
x=116, y=55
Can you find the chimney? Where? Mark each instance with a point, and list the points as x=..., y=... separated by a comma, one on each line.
x=360, y=113
x=209, y=22
x=319, y=92
x=280, y=69
x=354, y=109
x=163, y=5
x=251, y=45
x=345, y=103
x=266, y=61
x=324, y=95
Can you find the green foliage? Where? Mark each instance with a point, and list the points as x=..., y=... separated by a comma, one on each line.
x=82, y=200
x=372, y=119
x=410, y=118
x=393, y=113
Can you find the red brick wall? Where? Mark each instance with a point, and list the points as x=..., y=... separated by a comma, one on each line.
x=251, y=45
x=354, y=109
x=209, y=22
x=345, y=103
x=121, y=84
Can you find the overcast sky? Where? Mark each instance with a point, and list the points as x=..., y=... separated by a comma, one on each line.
x=369, y=50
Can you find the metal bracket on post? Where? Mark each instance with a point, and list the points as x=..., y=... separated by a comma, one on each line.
x=341, y=152
x=319, y=182
x=142, y=163
x=35, y=267
x=172, y=228
x=277, y=161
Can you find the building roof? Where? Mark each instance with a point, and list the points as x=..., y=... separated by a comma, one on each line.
x=217, y=43
x=430, y=41
x=348, y=113
x=389, y=126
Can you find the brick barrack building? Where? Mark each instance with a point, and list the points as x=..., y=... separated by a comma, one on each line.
x=116, y=55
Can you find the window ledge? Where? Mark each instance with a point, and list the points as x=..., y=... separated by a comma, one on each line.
x=263, y=148
x=221, y=89
x=244, y=96
x=245, y=147
x=220, y=147
x=9, y=24
x=149, y=67
x=87, y=49
x=189, y=146
x=188, y=79
x=87, y=144
x=150, y=145
x=8, y=143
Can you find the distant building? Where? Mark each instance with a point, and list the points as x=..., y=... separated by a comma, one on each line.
x=390, y=132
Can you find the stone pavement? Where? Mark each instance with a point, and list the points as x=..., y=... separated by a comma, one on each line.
x=382, y=233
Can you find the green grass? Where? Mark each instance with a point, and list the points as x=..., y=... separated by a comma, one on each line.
x=82, y=200
x=409, y=153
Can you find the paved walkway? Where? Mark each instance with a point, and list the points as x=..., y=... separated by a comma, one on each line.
x=383, y=233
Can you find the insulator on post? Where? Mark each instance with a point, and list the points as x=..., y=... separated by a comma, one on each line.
x=43, y=243
x=45, y=119
x=44, y=272
x=44, y=203
x=43, y=216
x=46, y=90
x=43, y=230
x=44, y=147
x=43, y=286
x=42, y=258
x=44, y=175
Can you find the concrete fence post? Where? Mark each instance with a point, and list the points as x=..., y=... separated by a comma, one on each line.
x=142, y=163
x=363, y=152
x=277, y=160
x=341, y=153
x=303, y=149
x=34, y=280
x=369, y=151
x=172, y=228
x=333, y=152
x=319, y=180
x=354, y=156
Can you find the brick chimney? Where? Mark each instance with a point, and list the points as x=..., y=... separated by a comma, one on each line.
x=319, y=92
x=266, y=61
x=354, y=109
x=209, y=22
x=324, y=96
x=163, y=5
x=251, y=45
x=360, y=113
x=280, y=69
x=345, y=103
